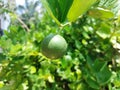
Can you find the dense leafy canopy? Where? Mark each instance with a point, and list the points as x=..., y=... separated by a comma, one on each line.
x=92, y=61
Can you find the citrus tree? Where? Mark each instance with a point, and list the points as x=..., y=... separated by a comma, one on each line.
x=82, y=53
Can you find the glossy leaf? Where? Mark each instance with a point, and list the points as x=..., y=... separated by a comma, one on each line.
x=58, y=9
x=78, y=8
x=101, y=13
x=64, y=6
x=45, y=3
x=104, y=31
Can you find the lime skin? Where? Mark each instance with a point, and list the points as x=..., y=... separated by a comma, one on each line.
x=53, y=46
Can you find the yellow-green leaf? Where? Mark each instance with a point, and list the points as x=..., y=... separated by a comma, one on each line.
x=1, y=84
x=32, y=69
x=104, y=31
x=78, y=8
x=101, y=13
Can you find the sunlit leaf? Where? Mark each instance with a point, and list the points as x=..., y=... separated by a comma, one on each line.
x=117, y=33
x=101, y=13
x=51, y=78
x=78, y=8
x=116, y=80
x=104, y=31
x=1, y=84
x=32, y=69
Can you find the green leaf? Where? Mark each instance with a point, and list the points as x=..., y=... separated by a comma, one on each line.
x=64, y=6
x=78, y=8
x=102, y=73
x=66, y=61
x=92, y=83
x=82, y=86
x=45, y=3
x=1, y=84
x=104, y=76
x=104, y=31
x=117, y=33
x=58, y=9
x=32, y=69
x=101, y=13
x=116, y=78
x=2, y=57
x=15, y=49
x=99, y=65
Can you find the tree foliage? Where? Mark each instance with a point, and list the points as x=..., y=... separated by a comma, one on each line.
x=92, y=61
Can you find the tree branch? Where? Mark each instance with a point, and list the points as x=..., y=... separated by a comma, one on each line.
x=24, y=25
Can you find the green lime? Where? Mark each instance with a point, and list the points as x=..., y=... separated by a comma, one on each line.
x=53, y=46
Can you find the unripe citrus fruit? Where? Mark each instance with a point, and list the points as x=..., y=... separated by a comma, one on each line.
x=53, y=46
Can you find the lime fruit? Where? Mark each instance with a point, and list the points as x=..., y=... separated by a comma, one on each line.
x=53, y=46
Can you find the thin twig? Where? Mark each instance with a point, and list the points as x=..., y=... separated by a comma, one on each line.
x=63, y=25
x=24, y=25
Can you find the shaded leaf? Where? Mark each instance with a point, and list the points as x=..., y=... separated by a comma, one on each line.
x=64, y=6
x=58, y=8
x=45, y=3
x=92, y=83
x=104, y=76
x=99, y=65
